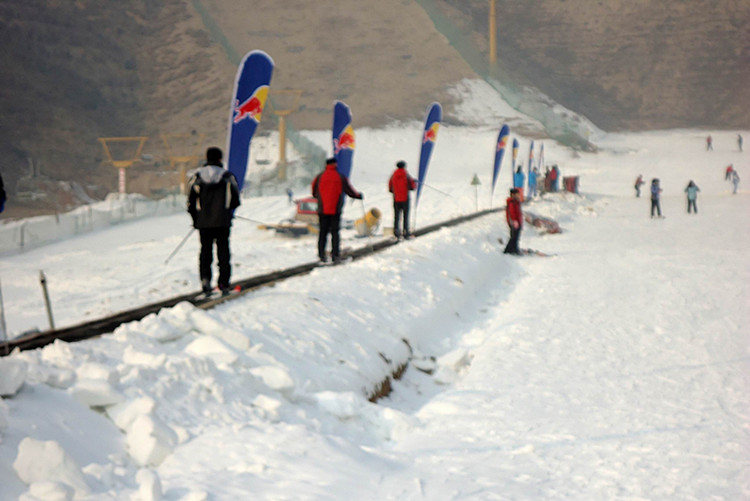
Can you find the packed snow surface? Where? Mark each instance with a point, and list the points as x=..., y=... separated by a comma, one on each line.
x=616, y=369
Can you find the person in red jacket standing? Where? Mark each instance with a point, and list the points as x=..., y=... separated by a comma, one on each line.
x=328, y=187
x=400, y=184
x=514, y=216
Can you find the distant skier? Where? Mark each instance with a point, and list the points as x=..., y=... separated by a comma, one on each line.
x=290, y=195
x=514, y=217
x=519, y=178
x=533, y=175
x=328, y=187
x=728, y=172
x=735, y=181
x=554, y=175
x=709, y=143
x=212, y=197
x=692, y=195
x=739, y=141
x=3, y=196
x=400, y=184
x=655, y=196
x=638, y=183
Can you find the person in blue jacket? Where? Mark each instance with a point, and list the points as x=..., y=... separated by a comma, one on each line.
x=655, y=196
x=692, y=195
x=532, y=182
x=519, y=178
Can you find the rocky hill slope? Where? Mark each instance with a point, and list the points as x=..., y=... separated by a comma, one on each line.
x=626, y=65
x=78, y=71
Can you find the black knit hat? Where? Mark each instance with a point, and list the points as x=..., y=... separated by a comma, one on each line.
x=331, y=160
x=213, y=156
x=401, y=164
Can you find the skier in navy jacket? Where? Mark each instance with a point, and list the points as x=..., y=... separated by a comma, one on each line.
x=212, y=197
x=2, y=194
x=655, y=196
x=329, y=187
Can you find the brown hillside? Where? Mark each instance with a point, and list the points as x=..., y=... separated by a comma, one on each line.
x=646, y=64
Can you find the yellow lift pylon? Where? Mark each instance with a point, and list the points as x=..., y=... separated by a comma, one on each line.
x=122, y=163
x=283, y=103
x=182, y=153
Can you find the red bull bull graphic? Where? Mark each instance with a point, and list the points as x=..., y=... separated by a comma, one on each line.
x=343, y=137
x=502, y=142
x=251, y=88
x=429, y=136
x=345, y=141
x=252, y=108
x=431, y=133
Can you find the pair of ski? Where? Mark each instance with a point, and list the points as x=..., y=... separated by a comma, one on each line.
x=336, y=262
x=527, y=251
x=217, y=294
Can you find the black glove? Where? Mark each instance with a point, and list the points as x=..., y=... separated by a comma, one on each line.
x=361, y=196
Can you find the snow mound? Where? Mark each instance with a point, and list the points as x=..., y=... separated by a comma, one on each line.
x=12, y=376
x=46, y=461
x=150, y=441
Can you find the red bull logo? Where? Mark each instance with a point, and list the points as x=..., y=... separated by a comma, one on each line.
x=502, y=143
x=252, y=108
x=345, y=141
x=431, y=133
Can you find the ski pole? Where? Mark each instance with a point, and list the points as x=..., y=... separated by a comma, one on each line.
x=179, y=246
x=439, y=191
x=251, y=220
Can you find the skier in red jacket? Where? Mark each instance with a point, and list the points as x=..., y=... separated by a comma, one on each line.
x=514, y=216
x=400, y=184
x=328, y=187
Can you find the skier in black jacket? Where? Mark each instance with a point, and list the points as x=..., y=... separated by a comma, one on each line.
x=212, y=198
x=2, y=194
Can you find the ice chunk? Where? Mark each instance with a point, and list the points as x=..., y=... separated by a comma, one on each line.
x=47, y=461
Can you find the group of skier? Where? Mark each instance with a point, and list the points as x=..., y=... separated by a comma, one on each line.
x=213, y=196
x=551, y=181
x=691, y=191
x=710, y=142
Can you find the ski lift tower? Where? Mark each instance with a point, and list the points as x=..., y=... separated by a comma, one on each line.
x=122, y=145
x=283, y=103
x=493, y=33
x=183, y=150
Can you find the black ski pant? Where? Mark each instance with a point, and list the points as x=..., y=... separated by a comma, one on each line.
x=512, y=247
x=655, y=207
x=221, y=237
x=328, y=223
x=691, y=203
x=400, y=213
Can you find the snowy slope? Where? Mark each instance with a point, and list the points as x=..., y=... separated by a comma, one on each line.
x=617, y=369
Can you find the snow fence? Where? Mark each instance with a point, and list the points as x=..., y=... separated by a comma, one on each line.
x=37, y=231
